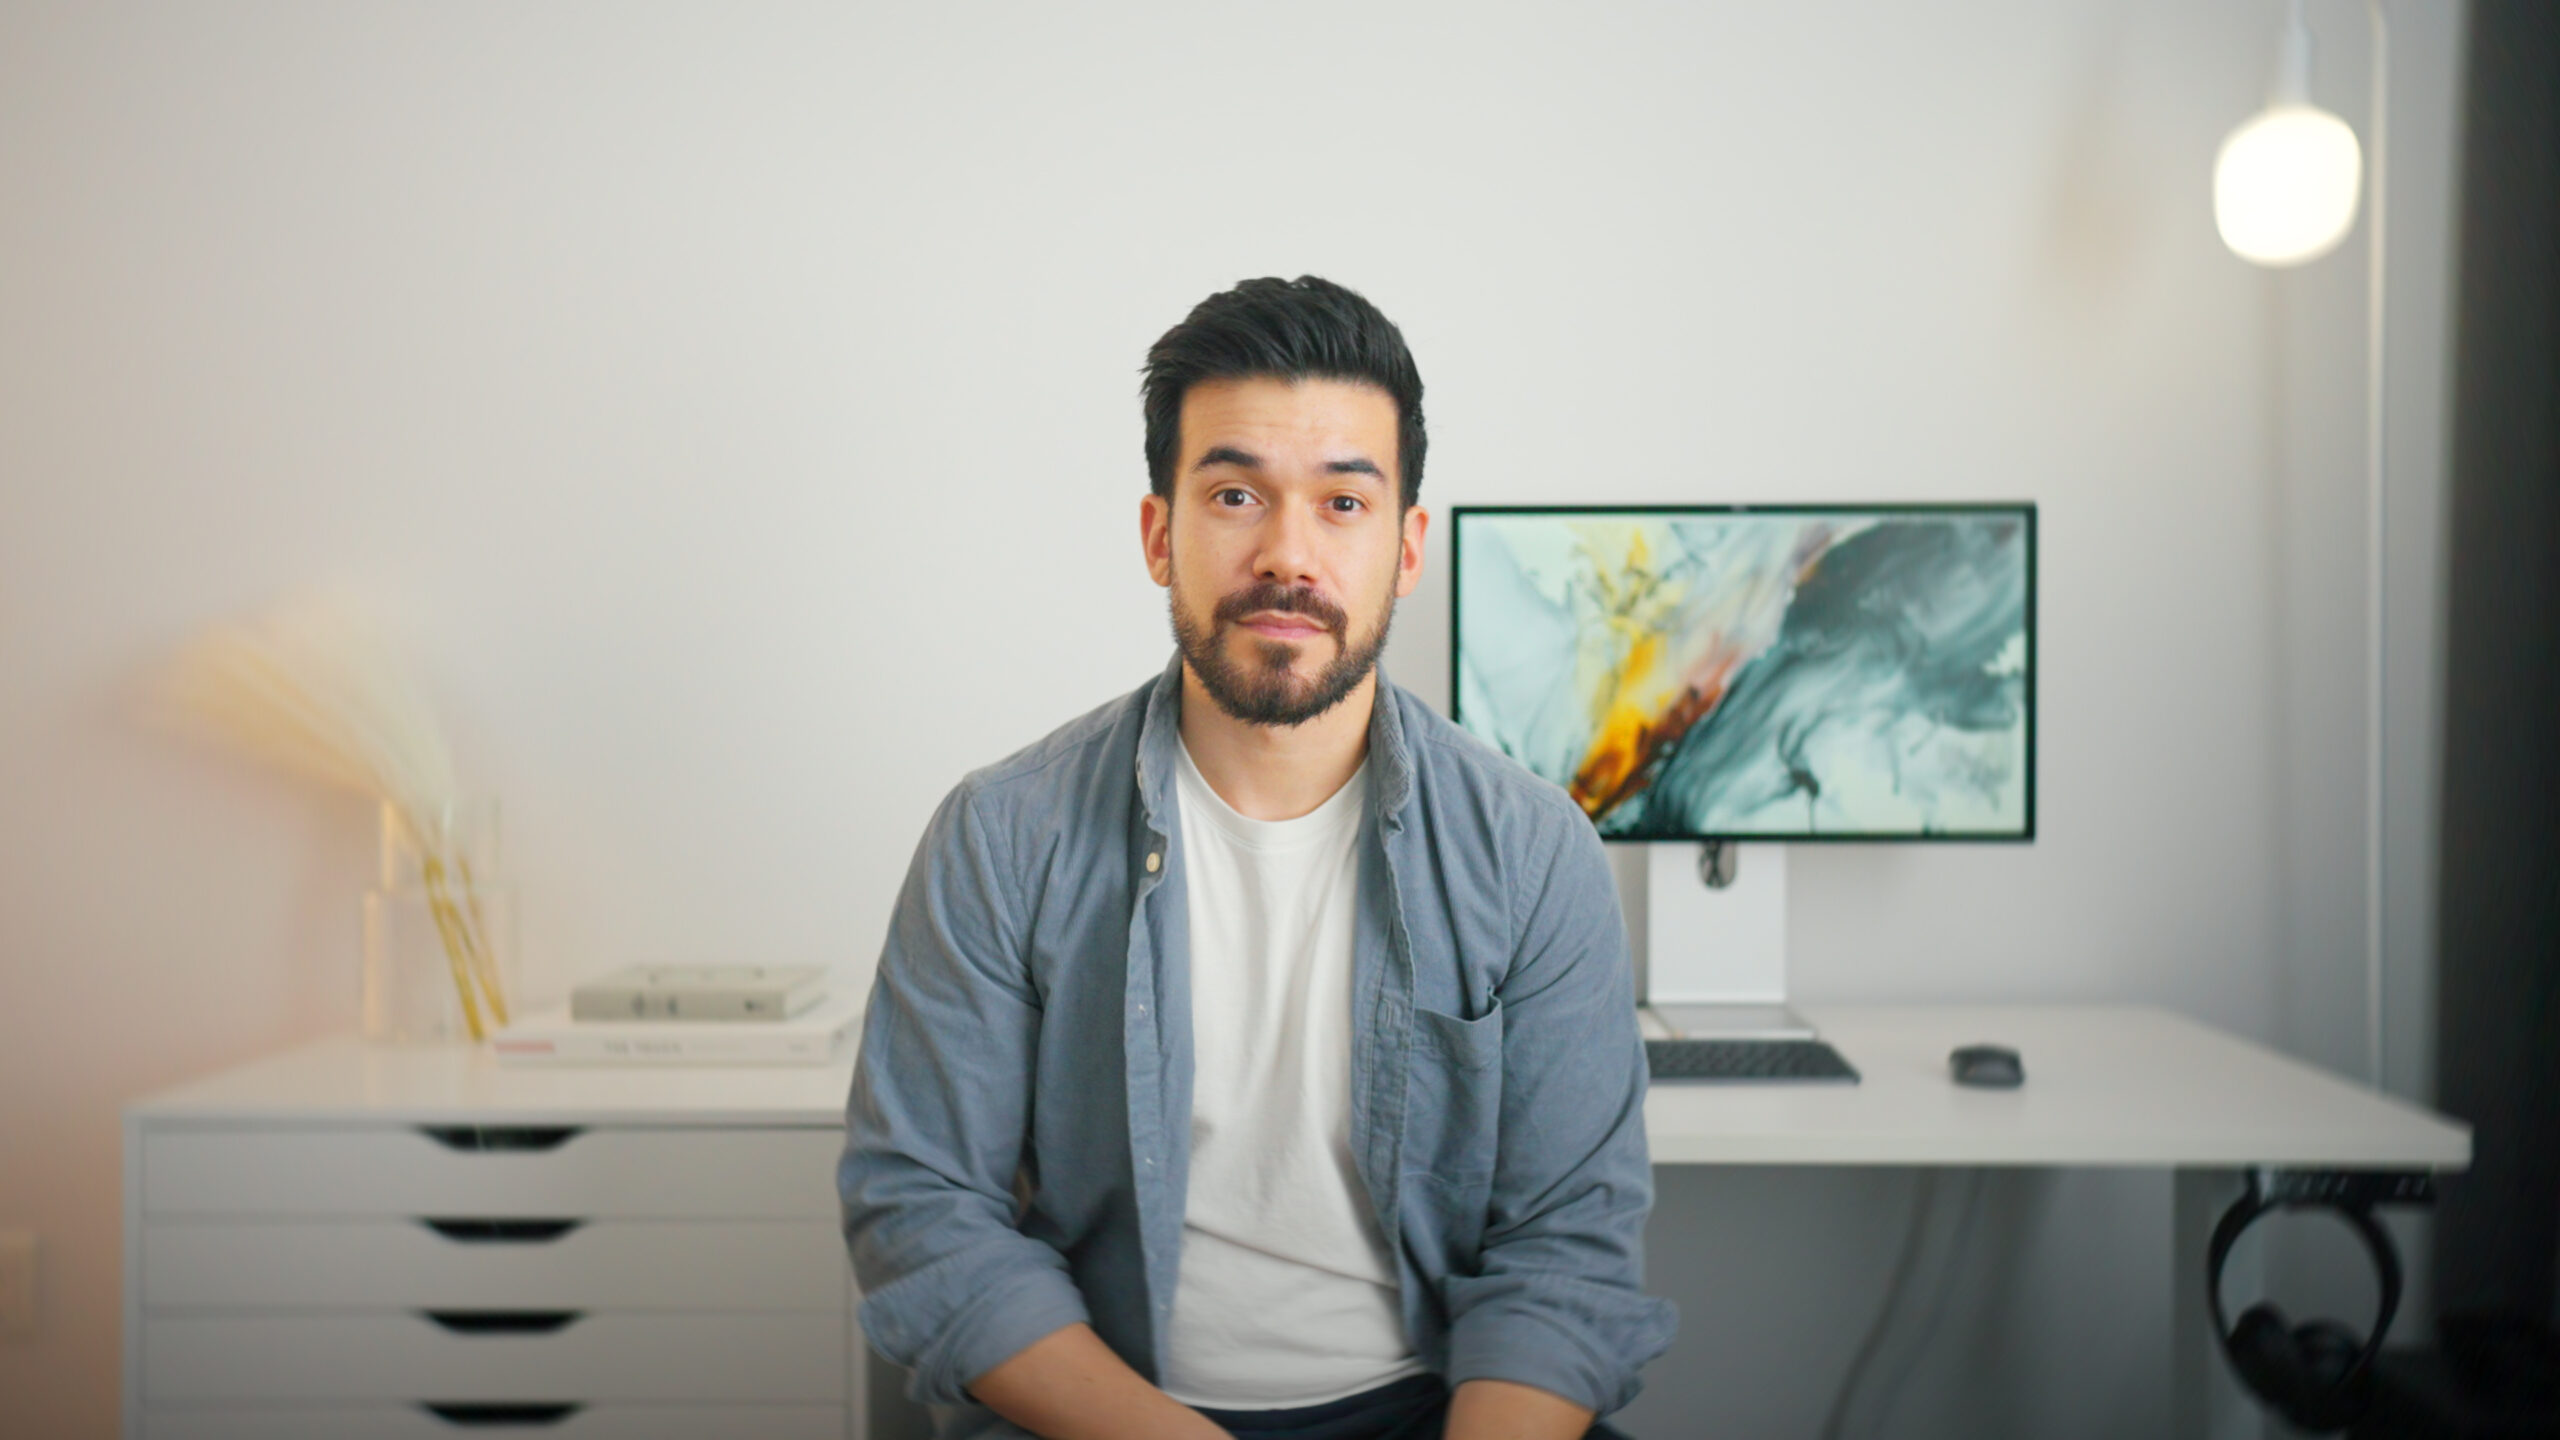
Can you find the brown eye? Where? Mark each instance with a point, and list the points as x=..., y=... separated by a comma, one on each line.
x=1231, y=496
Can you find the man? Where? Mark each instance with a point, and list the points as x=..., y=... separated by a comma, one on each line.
x=1257, y=1054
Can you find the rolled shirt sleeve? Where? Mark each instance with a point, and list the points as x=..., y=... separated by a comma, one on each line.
x=1558, y=1300
x=935, y=1125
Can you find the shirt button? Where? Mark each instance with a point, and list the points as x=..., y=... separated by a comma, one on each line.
x=1142, y=1009
x=1155, y=861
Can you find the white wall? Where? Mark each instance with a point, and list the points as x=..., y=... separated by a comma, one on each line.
x=734, y=408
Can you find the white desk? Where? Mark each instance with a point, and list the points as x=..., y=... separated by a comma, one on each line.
x=2107, y=1086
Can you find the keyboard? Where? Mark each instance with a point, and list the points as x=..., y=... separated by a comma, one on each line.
x=1747, y=1060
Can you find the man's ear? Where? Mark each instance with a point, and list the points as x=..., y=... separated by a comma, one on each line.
x=1417, y=521
x=1155, y=534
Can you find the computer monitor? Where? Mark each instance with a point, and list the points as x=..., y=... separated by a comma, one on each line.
x=1787, y=673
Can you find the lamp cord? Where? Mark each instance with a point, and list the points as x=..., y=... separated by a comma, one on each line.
x=1925, y=1201
x=1924, y=1204
x=2376, y=519
x=1956, y=1269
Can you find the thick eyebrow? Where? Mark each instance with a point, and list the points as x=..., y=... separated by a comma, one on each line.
x=1228, y=455
x=1246, y=459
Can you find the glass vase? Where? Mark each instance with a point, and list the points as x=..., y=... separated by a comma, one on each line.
x=440, y=958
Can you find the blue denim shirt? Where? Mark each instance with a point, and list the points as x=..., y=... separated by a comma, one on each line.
x=1018, y=1134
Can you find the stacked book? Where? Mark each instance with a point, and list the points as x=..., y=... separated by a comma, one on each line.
x=690, y=1015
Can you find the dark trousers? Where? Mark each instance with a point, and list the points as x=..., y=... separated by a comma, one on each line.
x=1408, y=1409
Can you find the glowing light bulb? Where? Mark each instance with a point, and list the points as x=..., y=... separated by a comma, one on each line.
x=2285, y=185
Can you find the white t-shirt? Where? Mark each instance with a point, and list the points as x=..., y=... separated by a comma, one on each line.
x=1287, y=1293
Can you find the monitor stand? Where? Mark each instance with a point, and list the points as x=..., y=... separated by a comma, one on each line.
x=1716, y=942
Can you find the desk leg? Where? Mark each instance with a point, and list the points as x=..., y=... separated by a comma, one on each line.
x=2208, y=1399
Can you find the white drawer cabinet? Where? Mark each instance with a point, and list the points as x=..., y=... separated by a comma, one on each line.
x=618, y=1265
x=600, y=1422
x=244, y=1357
x=357, y=1242
x=687, y=1173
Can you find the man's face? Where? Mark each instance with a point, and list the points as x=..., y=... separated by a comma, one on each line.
x=1282, y=545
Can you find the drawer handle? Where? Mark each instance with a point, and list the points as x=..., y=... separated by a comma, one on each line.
x=500, y=1137
x=502, y=1232
x=505, y=1322
x=458, y=1413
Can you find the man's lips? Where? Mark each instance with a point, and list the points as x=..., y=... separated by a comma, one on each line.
x=1282, y=625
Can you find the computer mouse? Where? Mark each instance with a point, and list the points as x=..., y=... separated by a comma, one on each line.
x=1993, y=1067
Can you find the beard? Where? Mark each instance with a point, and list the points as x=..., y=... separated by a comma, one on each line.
x=1266, y=690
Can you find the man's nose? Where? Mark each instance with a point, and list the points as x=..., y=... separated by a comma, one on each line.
x=1288, y=551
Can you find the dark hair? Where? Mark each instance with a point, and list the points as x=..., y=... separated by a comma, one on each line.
x=1307, y=328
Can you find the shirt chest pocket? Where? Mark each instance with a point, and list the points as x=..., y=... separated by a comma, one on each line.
x=1453, y=1100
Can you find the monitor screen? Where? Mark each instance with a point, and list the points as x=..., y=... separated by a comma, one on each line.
x=1782, y=673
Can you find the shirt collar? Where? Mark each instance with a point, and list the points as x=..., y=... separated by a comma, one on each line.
x=1160, y=738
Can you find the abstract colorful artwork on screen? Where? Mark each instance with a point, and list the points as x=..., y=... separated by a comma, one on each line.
x=1761, y=673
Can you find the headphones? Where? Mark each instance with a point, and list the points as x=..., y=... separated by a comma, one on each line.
x=2318, y=1375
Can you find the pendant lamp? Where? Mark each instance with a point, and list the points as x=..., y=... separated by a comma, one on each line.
x=2285, y=183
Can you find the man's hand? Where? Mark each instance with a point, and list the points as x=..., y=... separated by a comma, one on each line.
x=1068, y=1385
x=1501, y=1410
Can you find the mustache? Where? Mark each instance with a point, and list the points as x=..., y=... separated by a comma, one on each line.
x=1274, y=598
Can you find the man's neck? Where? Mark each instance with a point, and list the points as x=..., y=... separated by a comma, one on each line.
x=1276, y=772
